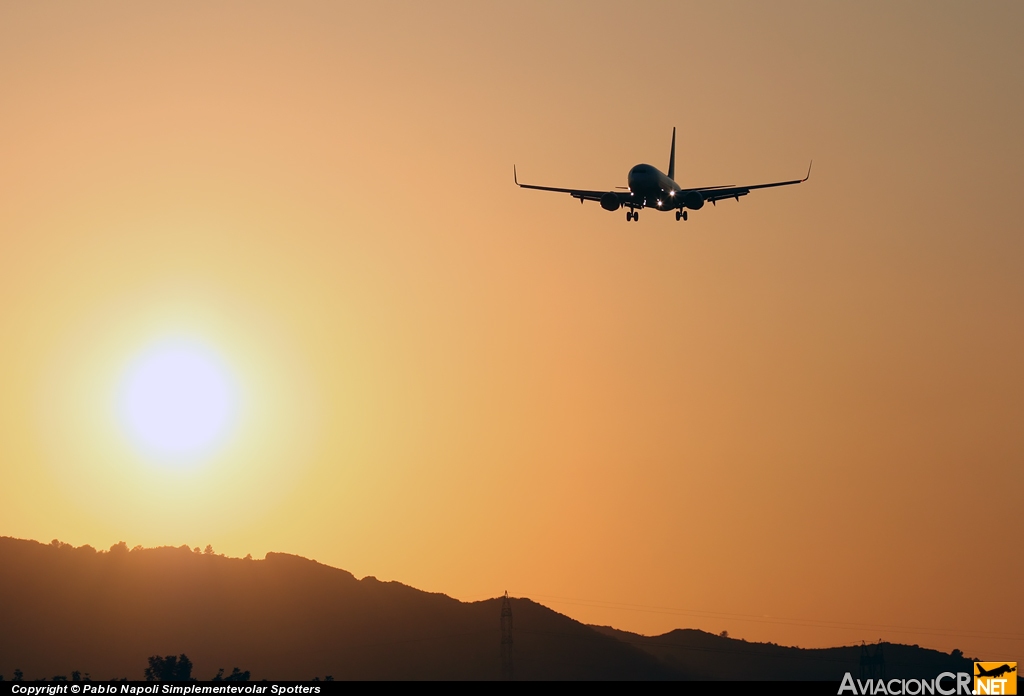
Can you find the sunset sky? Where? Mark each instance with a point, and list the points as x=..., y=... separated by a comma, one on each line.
x=798, y=418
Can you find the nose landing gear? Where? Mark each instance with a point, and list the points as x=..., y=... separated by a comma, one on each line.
x=680, y=215
x=632, y=215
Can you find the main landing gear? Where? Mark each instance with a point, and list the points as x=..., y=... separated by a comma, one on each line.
x=632, y=215
x=680, y=215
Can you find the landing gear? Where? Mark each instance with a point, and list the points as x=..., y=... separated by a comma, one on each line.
x=680, y=215
x=632, y=215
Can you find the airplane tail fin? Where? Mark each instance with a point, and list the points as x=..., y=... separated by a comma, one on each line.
x=672, y=157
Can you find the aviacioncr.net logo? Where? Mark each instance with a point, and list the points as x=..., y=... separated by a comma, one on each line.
x=995, y=678
x=946, y=684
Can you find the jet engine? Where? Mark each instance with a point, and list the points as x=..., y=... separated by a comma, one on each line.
x=610, y=201
x=693, y=200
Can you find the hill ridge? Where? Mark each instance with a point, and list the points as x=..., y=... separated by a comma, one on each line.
x=289, y=617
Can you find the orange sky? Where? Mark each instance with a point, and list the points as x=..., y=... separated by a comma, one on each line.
x=797, y=418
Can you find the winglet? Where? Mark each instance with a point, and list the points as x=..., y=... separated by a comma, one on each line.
x=515, y=177
x=808, y=171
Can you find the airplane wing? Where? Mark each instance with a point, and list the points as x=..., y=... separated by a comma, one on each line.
x=581, y=194
x=709, y=193
x=717, y=193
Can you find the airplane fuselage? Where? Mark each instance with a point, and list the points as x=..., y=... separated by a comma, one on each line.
x=649, y=187
x=652, y=188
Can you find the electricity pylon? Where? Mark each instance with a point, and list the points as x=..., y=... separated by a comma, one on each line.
x=507, y=673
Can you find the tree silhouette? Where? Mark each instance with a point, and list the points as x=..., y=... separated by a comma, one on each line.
x=169, y=668
x=236, y=675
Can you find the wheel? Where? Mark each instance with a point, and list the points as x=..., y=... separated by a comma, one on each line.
x=629, y=216
x=684, y=214
x=636, y=216
x=679, y=216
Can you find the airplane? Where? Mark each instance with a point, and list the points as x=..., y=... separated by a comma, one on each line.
x=996, y=672
x=650, y=188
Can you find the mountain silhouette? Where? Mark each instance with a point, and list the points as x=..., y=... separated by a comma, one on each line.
x=706, y=656
x=286, y=617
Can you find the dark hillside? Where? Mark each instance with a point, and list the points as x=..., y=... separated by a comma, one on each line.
x=703, y=655
x=285, y=617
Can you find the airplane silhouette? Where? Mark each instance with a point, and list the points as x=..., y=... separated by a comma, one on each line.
x=996, y=672
x=650, y=188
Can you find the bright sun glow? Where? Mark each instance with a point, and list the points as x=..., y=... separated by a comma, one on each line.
x=177, y=402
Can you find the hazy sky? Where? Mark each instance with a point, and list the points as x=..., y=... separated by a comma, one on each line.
x=798, y=418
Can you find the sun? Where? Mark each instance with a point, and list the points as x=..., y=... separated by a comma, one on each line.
x=178, y=402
